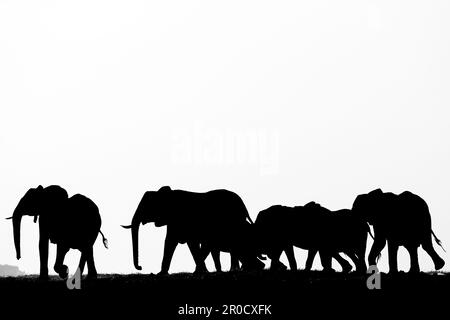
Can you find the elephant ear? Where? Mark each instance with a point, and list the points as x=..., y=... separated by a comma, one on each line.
x=163, y=200
x=38, y=190
x=366, y=206
x=161, y=206
x=312, y=205
x=376, y=192
x=165, y=189
x=360, y=204
x=358, y=200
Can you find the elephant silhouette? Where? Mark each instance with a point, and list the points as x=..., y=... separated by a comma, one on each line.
x=313, y=228
x=70, y=223
x=212, y=221
x=399, y=220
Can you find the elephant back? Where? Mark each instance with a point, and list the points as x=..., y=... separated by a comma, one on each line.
x=84, y=221
x=276, y=225
x=78, y=223
x=314, y=224
x=220, y=212
x=347, y=229
x=412, y=219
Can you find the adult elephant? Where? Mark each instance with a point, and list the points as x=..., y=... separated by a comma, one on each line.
x=70, y=223
x=399, y=220
x=213, y=221
x=314, y=228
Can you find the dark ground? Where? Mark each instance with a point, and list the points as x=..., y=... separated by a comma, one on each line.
x=292, y=295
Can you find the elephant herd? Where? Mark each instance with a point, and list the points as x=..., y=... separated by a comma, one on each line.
x=218, y=221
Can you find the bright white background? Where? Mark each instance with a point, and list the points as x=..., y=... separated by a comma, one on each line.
x=282, y=102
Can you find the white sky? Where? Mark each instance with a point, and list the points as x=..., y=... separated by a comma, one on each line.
x=282, y=102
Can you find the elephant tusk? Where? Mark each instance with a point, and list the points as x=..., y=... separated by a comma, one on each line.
x=127, y=227
x=9, y=218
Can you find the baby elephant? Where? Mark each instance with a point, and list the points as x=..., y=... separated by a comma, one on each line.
x=315, y=228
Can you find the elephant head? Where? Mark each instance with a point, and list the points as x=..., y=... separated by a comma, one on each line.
x=369, y=206
x=34, y=203
x=152, y=208
x=30, y=205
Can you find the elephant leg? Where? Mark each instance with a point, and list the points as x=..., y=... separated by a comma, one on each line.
x=200, y=266
x=216, y=258
x=427, y=245
x=325, y=259
x=275, y=263
x=234, y=262
x=59, y=267
x=345, y=265
x=43, y=252
x=169, y=249
x=360, y=263
x=92, y=271
x=205, y=250
x=361, y=254
x=375, y=251
x=82, y=262
x=289, y=250
x=393, y=249
x=414, y=259
x=310, y=259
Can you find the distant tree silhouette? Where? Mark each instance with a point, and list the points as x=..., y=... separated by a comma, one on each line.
x=10, y=271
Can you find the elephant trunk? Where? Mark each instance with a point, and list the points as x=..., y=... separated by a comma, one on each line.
x=135, y=237
x=16, y=219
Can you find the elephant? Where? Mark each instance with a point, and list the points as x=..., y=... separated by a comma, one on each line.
x=400, y=220
x=70, y=223
x=316, y=229
x=211, y=221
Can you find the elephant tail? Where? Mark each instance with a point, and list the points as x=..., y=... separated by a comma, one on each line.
x=105, y=241
x=439, y=242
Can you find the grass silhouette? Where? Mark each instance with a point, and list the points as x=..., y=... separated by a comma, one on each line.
x=288, y=292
